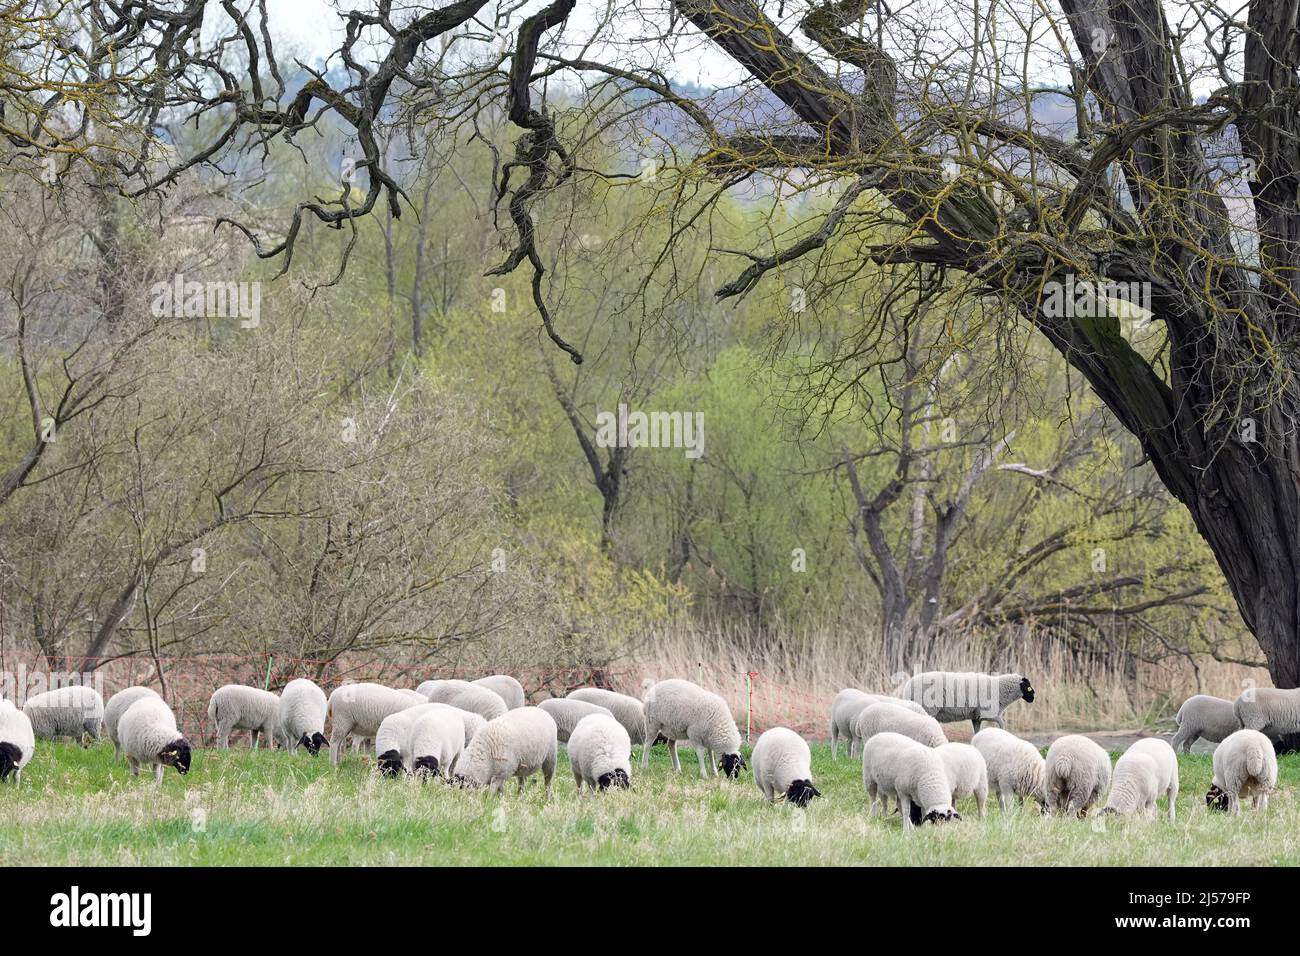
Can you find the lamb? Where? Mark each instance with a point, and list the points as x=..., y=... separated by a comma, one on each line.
x=359, y=709
x=783, y=765
x=628, y=711
x=300, y=719
x=1015, y=767
x=686, y=711
x=968, y=774
x=1274, y=713
x=425, y=739
x=1204, y=716
x=1245, y=765
x=518, y=744
x=876, y=718
x=1147, y=770
x=600, y=752
x=1078, y=772
x=150, y=738
x=240, y=707
x=911, y=772
x=567, y=713
x=479, y=700
x=75, y=711
x=17, y=741
x=949, y=696
x=846, y=707
x=116, y=707
x=505, y=687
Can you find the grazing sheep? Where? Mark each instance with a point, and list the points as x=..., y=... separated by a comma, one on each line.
x=75, y=711
x=783, y=765
x=1274, y=713
x=300, y=720
x=17, y=741
x=600, y=752
x=518, y=744
x=949, y=696
x=479, y=700
x=968, y=774
x=392, y=740
x=1204, y=716
x=116, y=707
x=876, y=718
x=239, y=707
x=685, y=711
x=1015, y=767
x=628, y=711
x=359, y=709
x=912, y=773
x=436, y=741
x=848, y=704
x=1245, y=765
x=472, y=722
x=505, y=687
x=150, y=738
x=567, y=713
x=1078, y=772
x=1144, y=772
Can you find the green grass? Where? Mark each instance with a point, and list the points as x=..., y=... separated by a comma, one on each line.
x=78, y=807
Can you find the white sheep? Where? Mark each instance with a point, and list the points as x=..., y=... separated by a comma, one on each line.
x=1245, y=765
x=479, y=700
x=912, y=773
x=848, y=705
x=75, y=711
x=359, y=709
x=240, y=707
x=628, y=711
x=1078, y=773
x=425, y=739
x=1274, y=713
x=889, y=716
x=968, y=774
x=150, y=738
x=517, y=744
x=505, y=687
x=429, y=687
x=471, y=721
x=392, y=740
x=17, y=741
x=600, y=752
x=300, y=717
x=949, y=696
x=116, y=707
x=782, y=766
x=1146, y=771
x=685, y=711
x=1204, y=716
x=1015, y=767
x=567, y=713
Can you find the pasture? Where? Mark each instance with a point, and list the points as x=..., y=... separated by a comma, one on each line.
x=78, y=807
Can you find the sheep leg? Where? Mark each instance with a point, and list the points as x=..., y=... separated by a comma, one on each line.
x=651, y=732
x=577, y=779
x=672, y=752
x=705, y=763
x=904, y=808
x=1183, y=740
x=337, y=740
x=982, y=800
x=1171, y=797
x=117, y=751
x=133, y=765
x=835, y=737
x=1004, y=797
x=548, y=771
x=157, y=773
x=871, y=807
x=853, y=747
x=223, y=737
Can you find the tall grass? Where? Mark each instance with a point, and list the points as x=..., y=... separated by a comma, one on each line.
x=797, y=675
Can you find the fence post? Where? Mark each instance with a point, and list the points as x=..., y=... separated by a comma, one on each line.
x=749, y=703
x=700, y=673
x=266, y=681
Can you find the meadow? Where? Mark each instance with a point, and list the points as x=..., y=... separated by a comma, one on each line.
x=78, y=807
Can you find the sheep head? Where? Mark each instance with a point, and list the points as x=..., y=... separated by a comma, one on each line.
x=425, y=767
x=9, y=757
x=801, y=793
x=615, y=778
x=1026, y=690
x=1216, y=798
x=176, y=754
x=390, y=763
x=732, y=764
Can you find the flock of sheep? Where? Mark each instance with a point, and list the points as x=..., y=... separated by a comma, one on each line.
x=482, y=733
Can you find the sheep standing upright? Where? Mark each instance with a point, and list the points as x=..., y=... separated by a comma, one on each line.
x=1274, y=713
x=240, y=707
x=116, y=707
x=681, y=710
x=1146, y=771
x=949, y=696
x=1078, y=773
x=75, y=712
x=1212, y=718
x=1245, y=765
x=17, y=741
x=783, y=766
